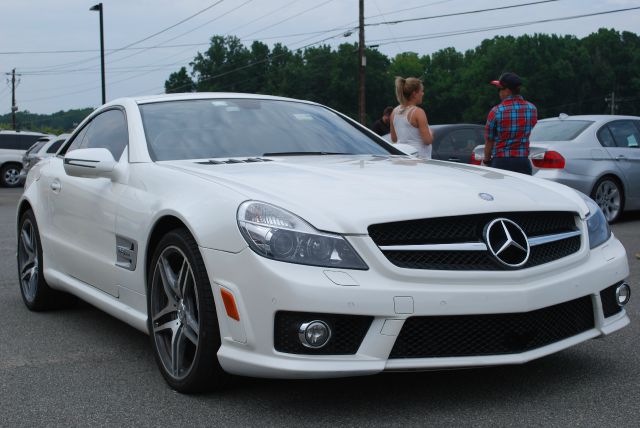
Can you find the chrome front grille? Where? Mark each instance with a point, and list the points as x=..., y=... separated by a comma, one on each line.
x=459, y=242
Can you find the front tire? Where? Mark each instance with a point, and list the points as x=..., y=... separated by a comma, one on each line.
x=36, y=293
x=10, y=175
x=608, y=194
x=182, y=317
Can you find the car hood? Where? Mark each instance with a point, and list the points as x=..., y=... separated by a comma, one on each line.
x=347, y=193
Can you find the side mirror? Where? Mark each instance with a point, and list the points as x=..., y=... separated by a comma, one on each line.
x=90, y=163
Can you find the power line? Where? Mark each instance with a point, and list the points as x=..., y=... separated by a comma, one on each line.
x=173, y=26
x=288, y=18
x=468, y=12
x=58, y=66
x=185, y=33
x=496, y=27
x=97, y=50
x=263, y=16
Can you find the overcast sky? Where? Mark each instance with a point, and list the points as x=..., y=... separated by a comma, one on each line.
x=51, y=82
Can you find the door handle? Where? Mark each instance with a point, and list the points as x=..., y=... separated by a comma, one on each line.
x=621, y=157
x=55, y=186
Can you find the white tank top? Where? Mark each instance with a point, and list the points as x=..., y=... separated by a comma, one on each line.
x=407, y=133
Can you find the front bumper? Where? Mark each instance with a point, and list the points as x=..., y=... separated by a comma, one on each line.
x=389, y=294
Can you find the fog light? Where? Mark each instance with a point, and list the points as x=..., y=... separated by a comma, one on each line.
x=314, y=334
x=623, y=294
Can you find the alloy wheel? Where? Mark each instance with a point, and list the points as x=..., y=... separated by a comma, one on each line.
x=28, y=260
x=609, y=199
x=174, y=312
x=11, y=176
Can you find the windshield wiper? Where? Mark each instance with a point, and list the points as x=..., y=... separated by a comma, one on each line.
x=303, y=153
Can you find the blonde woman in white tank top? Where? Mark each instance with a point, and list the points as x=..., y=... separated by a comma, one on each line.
x=409, y=124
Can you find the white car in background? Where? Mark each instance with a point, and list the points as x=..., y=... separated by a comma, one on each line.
x=272, y=237
x=43, y=148
x=13, y=145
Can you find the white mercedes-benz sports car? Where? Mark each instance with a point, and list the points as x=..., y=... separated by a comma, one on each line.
x=271, y=237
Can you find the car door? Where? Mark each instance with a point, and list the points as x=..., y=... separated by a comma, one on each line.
x=626, y=153
x=83, y=210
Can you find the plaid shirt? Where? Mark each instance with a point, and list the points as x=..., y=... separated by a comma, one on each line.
x=509, y=125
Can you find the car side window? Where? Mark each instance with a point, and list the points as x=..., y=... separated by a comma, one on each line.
x=625, y=134
x=605, y=137
x=76, y=143
x=109, y=131
x=464, y=140
x=55, y=146
x=26, y=141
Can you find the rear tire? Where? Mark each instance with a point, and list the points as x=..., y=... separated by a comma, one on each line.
x=36, y=293
x=183, y=324
x=609, y=196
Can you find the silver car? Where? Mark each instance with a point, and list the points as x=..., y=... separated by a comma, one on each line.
x=596, y=154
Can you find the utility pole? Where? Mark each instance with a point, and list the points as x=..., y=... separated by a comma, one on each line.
x=362, y=64
x=14, y=107
x=612, y=102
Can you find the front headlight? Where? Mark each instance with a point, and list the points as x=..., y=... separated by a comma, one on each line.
x=597, y=225
x=280, y=235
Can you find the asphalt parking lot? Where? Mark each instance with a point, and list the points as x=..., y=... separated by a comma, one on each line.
x=82, y=367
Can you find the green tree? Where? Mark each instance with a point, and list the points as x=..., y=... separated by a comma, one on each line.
x=179, y=82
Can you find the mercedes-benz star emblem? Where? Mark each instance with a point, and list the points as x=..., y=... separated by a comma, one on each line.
x=485, y=196
x=507, y=242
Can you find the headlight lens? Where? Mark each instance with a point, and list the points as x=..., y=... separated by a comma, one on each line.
x=597, y=225
x=280, y=235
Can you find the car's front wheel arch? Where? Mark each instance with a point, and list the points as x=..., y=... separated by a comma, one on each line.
x=161, y=227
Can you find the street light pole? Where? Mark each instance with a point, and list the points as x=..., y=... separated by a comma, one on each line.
x=98, y=8
x=362, y=60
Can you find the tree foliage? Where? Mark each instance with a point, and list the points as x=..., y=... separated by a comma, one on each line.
x=56, y=123
x=561, y=74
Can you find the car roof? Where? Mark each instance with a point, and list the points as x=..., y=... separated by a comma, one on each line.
x=456, y=125
x=23, y=133
x=591, y=117
x=148, y=99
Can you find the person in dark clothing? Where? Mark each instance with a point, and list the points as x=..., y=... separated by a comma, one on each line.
x=382, y=126
x=508, y=127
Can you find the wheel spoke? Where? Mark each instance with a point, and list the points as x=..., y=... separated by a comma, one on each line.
x=169, y=325
x=32, y=283
x=170, y=308
x=25, y=237
x=168, y=278
x=191, y=330
x=177, y=350
x=27, y=271
x=183, y=277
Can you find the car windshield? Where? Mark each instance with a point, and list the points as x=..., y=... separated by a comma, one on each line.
x=558, y=130
x=221, y=128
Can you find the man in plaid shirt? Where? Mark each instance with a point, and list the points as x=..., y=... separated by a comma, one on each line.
x=508, y=127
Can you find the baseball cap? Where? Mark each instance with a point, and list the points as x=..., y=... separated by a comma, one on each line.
x=508, y=80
